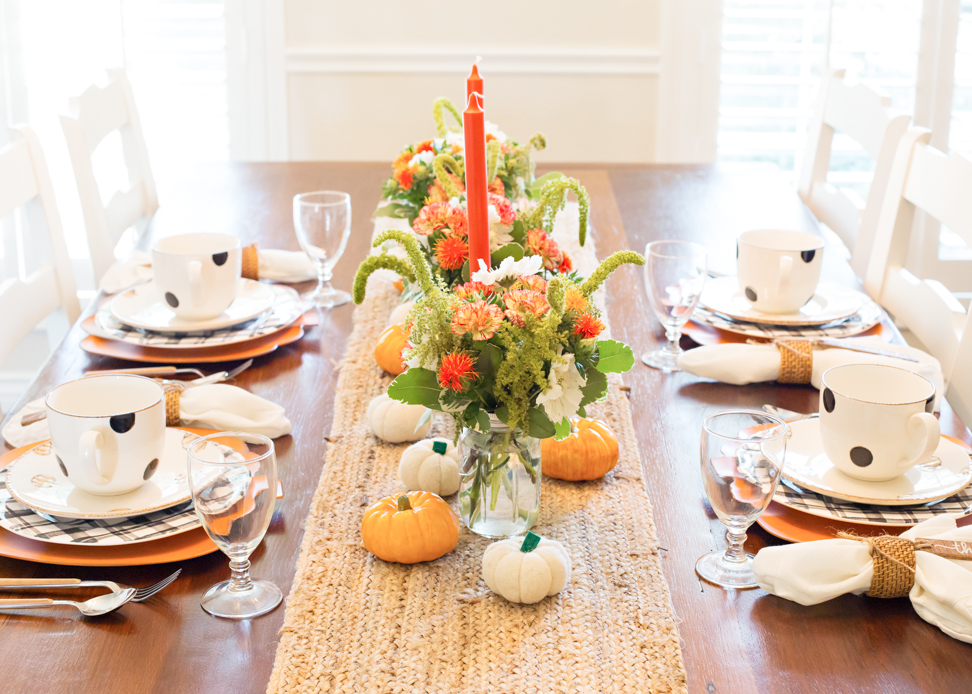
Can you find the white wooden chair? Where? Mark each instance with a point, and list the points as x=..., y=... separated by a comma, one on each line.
x=94, y=115
x=865, y=115
x=941, y=186
x=25, y=302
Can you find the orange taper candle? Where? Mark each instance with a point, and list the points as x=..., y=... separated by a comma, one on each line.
x=474, y=83
x=474, y=130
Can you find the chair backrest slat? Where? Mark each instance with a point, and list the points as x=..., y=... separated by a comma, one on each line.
x=863, y=114
x=25, y=181
x=95, y=114
x=922, y=177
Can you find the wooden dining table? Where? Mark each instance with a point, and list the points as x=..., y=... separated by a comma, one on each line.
x=732, y=641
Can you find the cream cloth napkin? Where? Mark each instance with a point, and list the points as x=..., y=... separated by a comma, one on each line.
x=739, y=363
x=814, y=572
x=216, y=406
x=274, y=265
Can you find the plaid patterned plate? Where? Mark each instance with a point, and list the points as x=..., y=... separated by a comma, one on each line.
x=866, y=318
x=286, y=309
x=19, y=519
x=827, y=507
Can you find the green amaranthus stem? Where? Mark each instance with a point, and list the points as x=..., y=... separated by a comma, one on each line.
x=443, y=165
x=420, y=266
x=377, y=262
x=612, y=263
x=492, y=159
x=440, y=126
x=552, y=198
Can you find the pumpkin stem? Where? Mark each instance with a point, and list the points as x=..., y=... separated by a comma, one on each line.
x=440, y=447
x=530, y=542
x=403, y=504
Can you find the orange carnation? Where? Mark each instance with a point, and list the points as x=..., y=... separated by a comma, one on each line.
x=534, y=282
x=521, y=302
x=467, y=290
x=496, y=187
x=504, y=208
x=538, y=242
x=480, y=318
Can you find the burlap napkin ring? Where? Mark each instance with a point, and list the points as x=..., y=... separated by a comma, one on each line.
x=251, y=263
x=894, y=560
x=173, y=390
x=796, y=361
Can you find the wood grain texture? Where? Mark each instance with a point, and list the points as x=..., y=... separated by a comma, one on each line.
x=732, y=641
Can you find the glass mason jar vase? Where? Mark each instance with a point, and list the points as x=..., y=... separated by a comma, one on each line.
x=499, y=480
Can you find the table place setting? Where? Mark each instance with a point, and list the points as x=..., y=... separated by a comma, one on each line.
x=867, y=488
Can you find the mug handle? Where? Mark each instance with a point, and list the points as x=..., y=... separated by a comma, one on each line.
x=928, y=425
x=786, y=269
x=89, y=445
x=195, y=281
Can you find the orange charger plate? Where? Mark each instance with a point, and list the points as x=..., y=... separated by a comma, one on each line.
x=704, y=334
x=204, y=355
x=188, y=545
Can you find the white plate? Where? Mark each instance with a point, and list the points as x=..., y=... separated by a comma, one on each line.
x=831, y=302
x=36, y=481
x=142, y=307
x=807, y=466
x=286, y=309
x=870, y=315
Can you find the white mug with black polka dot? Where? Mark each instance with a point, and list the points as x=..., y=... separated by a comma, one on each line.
x=197, y=274
x=876, y=421
x=778, y=271
x=107, y=432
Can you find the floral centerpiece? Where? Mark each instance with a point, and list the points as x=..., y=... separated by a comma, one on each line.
x=432, y=170
x=516, y=231
x=511, y=355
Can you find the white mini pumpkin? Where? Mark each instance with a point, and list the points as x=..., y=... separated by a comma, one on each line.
x=395, y=421
x=431, y=465
x=400, y=313
x=526, y=569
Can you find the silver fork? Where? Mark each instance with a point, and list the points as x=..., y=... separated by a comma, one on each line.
x=140, y=593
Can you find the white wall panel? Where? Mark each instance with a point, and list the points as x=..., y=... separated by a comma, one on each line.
x=361, y=76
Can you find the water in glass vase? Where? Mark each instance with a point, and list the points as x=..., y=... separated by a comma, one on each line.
x=499, y=486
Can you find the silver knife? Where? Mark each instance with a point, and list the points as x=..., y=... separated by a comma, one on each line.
x=855, y=346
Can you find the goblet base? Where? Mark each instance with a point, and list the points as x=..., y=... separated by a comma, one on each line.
x=662, y=359
x=222, y=601
x=326, y=298
x=714, y=568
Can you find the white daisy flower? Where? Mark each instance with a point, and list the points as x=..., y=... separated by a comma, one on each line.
x=528, y=265
x=422, y=158
x=563, y=394
x=499, y=234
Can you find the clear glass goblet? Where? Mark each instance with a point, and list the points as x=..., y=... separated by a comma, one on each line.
x=233, y=478
x=674, y=276
x=323, y=223
x=742, y=459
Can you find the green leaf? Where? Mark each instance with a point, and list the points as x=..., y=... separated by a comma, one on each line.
x=482, y=421
x=502, y=413
x=465, y=271
x=562, y=428
x=489, y=361
x=426, y=416
x=518, y=232
x=510, y=250
x=614, y=356
x=393, y=209
x=539, y=425
x=416, y=387
x=595, y=388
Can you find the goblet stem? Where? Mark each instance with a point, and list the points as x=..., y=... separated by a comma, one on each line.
x=674, y=335
x=735, y=553
x=240, y=580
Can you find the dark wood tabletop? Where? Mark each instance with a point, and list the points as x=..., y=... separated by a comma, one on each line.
x=733, y=641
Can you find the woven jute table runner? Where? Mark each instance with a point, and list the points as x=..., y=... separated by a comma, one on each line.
x=355, y=623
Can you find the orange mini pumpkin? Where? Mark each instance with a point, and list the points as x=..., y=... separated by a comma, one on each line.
x=409, y=528
x=590, y=452
x=388, y=349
